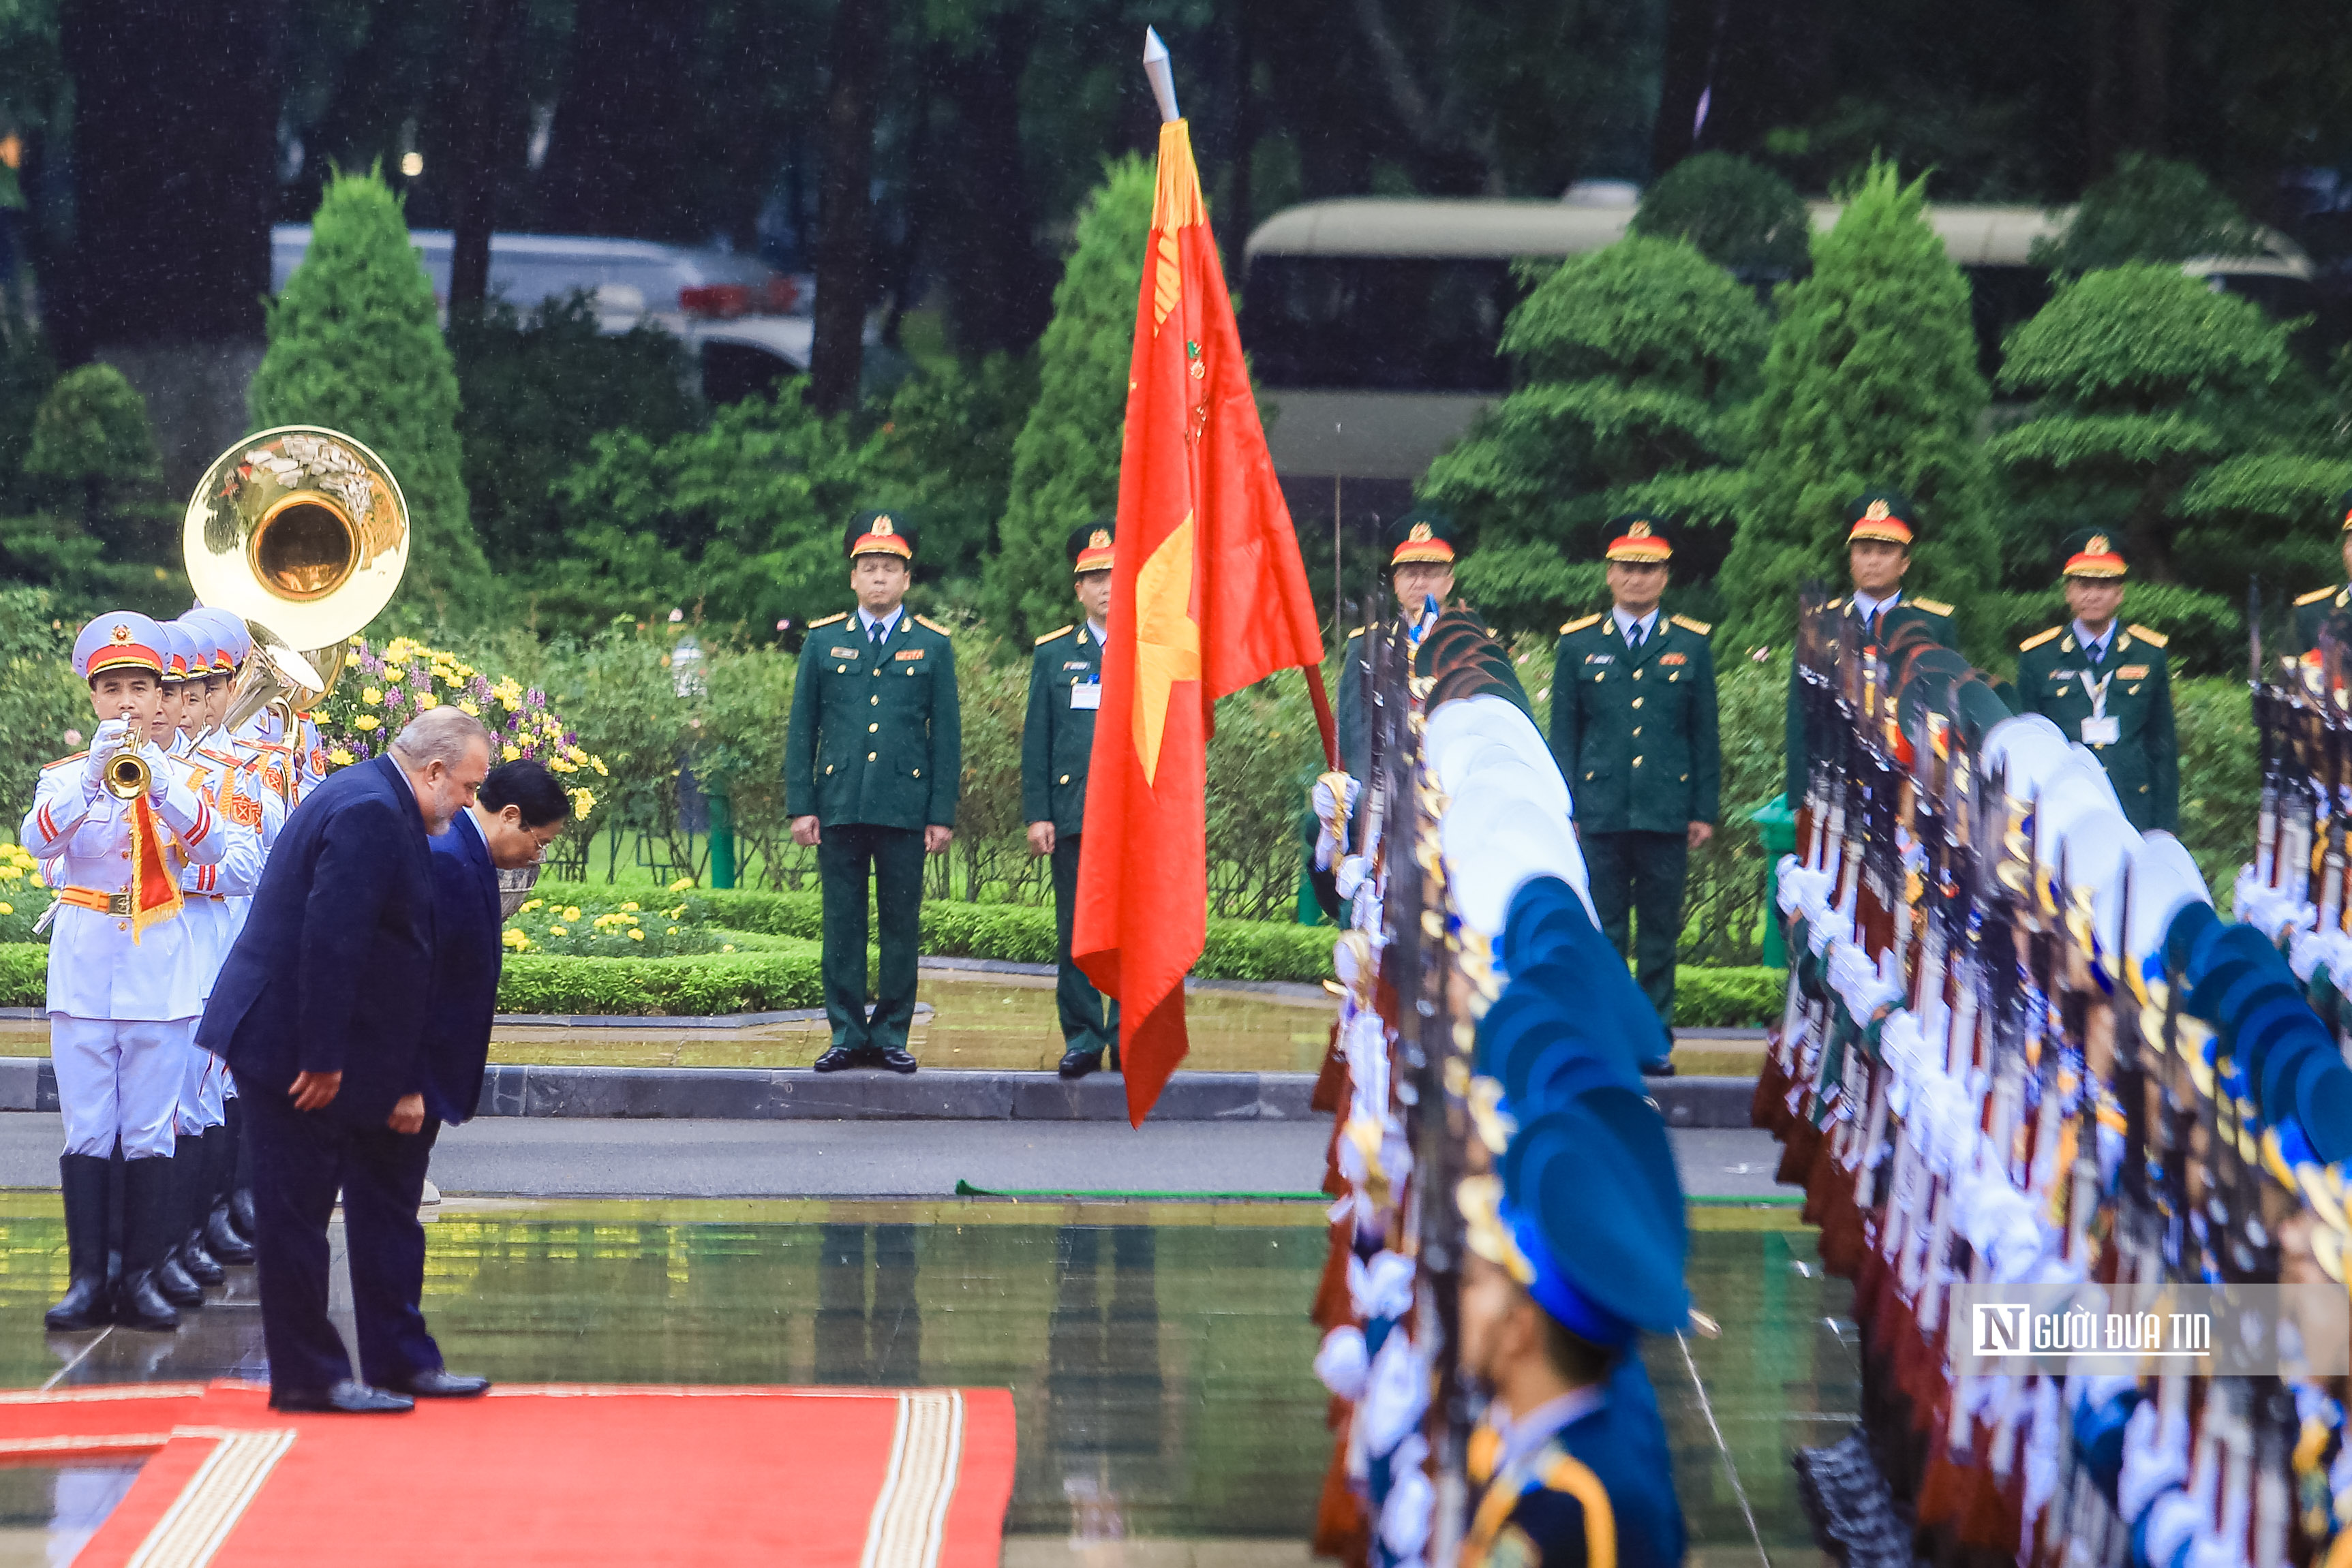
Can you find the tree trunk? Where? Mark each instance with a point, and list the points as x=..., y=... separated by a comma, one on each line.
x=626, y=112
x=175, y=171
x=845, y=247
x=1001, y=287
x=2151, y=68
x=493, y=40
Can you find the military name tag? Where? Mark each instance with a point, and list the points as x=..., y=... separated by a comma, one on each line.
x=1085, y=694
x=906, y=654
x=2134, y=672
x=841, y=653
x=2103, y=731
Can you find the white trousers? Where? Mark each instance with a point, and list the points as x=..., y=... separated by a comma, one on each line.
x=119, y=1080
x=202, y=1089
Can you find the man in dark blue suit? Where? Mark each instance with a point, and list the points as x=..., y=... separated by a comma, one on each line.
x=519, y=813
x=321, y=1011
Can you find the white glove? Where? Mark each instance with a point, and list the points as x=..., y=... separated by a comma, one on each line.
x=159, y=778
x=1333, y=814
x=103, y=744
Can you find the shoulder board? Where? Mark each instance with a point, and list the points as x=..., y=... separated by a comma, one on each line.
x=927, y=621
x=1356, y=634
x=1835, y=604
x=2315, y=596
x=1933, y=606
x=61, y=761
x=1686, y=624
x=2153, y=639
x=2039, y=638
x=1581, y=622
x=1056, y=632
x=828, y=621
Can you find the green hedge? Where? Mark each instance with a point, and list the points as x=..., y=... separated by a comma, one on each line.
x=1748, y=997
x=702, y=985
x=1235, y=950
x=23, y=974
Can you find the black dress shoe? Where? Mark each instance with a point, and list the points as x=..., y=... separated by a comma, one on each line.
x=1662, y=1068
x=439, y=1382
x=1079, y=1060
x=178, y=1285
x=138, y=1304
x=894, y=1060
x=348, y=1397
x=222, y=1240
x=240, y=1213
x=198, y=1260
x=87, y=1305
x=840, y=1057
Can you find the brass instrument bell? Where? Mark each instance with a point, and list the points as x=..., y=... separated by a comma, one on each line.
x=128, y=776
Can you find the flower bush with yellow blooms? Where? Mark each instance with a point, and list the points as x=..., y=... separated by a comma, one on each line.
x=384, y=688
x=23, y=893
x=616, y=927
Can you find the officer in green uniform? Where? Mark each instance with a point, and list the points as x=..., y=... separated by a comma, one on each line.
x=1634, y=730
x=1057, y=740
x=873, y=760
x=2109, y=686
x=1880, y=527
x=1422, y=556
x=2329, y=607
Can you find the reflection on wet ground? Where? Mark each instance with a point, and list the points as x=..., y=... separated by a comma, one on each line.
x=1158, y=1353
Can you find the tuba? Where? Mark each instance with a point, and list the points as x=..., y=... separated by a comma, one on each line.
x=303, y=533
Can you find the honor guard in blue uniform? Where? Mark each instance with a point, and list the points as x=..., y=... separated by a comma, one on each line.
x=1057, y=741
x=2108, y=685
x=873, y=762
x=1880, y=529
x=1576, y=1247
x=1634, y=730
x=2329, y=607
x=1421, y=555
x=118, y=823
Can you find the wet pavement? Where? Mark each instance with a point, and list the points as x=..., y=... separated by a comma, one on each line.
x=1158, y=1352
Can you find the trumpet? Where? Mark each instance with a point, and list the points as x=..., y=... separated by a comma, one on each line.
x=127, y=774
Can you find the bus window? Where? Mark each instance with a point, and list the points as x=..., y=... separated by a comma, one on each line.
x=1378, y=323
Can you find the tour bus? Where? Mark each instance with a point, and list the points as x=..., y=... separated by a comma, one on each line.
x=748, y=325
x=1373, y=321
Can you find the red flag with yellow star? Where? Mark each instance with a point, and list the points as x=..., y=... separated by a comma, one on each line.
x=1208, y=595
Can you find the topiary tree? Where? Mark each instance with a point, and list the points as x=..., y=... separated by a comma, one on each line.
x=2149, y=209
x=92, y=442
x=1629, y=359
x=1065, y=460
x=2174, y=418
x=1741, y=215
x=356, y=345
x=1871, y=380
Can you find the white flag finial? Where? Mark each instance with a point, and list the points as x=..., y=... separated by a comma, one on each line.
x=1163, y=78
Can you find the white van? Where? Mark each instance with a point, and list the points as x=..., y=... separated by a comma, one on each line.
x=1371, y=321
x=748, y=324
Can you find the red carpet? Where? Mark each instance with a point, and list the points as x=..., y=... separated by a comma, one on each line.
x=551, y=1474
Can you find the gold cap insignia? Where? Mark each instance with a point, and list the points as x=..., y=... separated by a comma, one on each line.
x=1638, y=531
x=2096, y=545
x=1420, y=534
x=881, y=527
x=1098, y=539
x=1876, y=512
x=122, y=634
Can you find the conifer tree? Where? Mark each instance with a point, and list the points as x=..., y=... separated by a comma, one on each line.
x=1065, y=460
x=355, y=345
x=1871, y=382
x=1628, y=359
x=92, y=440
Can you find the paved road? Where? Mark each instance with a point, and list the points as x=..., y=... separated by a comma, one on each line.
x=547, y=1157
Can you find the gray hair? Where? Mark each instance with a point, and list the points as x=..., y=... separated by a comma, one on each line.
x=442, y=735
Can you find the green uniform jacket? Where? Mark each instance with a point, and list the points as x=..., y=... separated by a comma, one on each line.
x=2143, y=762
x=2316, y=609
x=1634, y=733
x=1355, y=716
x=1057, y=739
x=875, y=734
x=1844, y=631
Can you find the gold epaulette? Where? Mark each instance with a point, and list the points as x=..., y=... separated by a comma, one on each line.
x=927, y=621
x=2038, y=639
x=1834, y=605
x=1581, y=622
x=2153, y=639
x=1933, y=606
x=61, y=761
x=1686, y=624
x=1357, y=632
x=1056, y=632
x=2315, y=596
x=828, y=621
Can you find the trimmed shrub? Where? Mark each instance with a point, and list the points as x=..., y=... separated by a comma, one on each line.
x=710, y=985
x=23, y=974
x=1745, y=998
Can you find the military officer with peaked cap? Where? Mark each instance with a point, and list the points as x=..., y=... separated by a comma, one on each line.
x=1634, y=730
x=2107, y=686
x=2329, y=607
x=1422, y=554
x=1880, y=529
x=1057, y=741
x=873, y=761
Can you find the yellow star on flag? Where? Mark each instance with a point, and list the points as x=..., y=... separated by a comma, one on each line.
x=1167, y=639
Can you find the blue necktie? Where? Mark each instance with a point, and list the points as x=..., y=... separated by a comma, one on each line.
x=1633, y=637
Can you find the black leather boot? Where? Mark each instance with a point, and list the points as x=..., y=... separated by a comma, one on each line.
x=240, y=1192
x=221, y=1239
x=85, y=1303
x=191, y=1192
x=172, y=1276
x=147, y=1235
